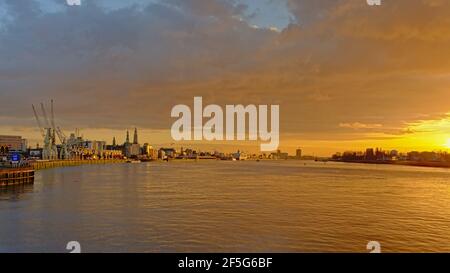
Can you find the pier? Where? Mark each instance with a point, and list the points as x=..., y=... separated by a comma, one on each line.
x=16, y=176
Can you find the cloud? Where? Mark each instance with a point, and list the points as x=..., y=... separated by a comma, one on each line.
x=359, y=125
x=338, y=60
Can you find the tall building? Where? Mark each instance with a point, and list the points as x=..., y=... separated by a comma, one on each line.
x=298, y=153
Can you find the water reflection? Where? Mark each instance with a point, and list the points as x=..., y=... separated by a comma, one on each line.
x=15, y=192
x=231, y=207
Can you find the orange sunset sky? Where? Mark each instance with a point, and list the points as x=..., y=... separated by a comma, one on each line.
x=346, y=75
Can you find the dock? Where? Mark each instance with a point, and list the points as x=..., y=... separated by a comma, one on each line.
x=16, y=176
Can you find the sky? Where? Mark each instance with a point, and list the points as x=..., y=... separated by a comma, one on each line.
x=346, y=75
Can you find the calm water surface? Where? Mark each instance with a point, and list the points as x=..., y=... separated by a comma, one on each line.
x=273, y=206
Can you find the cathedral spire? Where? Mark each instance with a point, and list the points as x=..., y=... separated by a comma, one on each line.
x=114, y=142
x=135, y=138
x=128, y=137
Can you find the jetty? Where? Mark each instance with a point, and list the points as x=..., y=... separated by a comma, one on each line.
x=16, y=176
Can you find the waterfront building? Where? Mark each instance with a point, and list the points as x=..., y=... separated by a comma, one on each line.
x=92, y=149
x=112, y=154
x=134, y=150
x=167, y=152
x=95, y=145
x=279, y=155
x=149, y=151
x=12, y=143
x=240, y=156
x=298, y=153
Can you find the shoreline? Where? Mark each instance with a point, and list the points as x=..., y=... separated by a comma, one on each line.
x=40, y=165
x=425, y=164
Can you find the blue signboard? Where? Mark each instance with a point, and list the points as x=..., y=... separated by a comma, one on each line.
x=15, y=158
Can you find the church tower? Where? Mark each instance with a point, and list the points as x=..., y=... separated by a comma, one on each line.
x=128, y=138
x=135, y=138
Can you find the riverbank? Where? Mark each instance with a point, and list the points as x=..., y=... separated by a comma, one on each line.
x=41, y=164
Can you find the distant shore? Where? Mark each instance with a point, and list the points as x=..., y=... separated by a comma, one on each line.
x=433, y=164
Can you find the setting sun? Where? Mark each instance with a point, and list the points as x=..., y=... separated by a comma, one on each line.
x=447, y=144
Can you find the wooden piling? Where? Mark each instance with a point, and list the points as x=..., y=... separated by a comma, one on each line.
x=16, y=176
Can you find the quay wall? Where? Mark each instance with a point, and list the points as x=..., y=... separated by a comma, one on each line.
x=39, y=165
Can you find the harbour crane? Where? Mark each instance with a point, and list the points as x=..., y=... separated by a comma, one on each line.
x=44, y=113
x=64, y=152
x=50, y=151
x=70, y=147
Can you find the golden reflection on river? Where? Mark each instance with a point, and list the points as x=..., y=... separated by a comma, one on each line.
x=267, y=206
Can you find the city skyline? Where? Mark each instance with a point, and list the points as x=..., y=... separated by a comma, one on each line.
x=346, y=75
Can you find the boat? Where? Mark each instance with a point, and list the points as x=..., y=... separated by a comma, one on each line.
x=133, y=161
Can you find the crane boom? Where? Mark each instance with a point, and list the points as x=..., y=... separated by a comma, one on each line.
x=58, y=131
x=61, y=135
x=52, y=116
x=47, y=123
x=38, y=121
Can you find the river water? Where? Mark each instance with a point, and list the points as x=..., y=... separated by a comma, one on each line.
x=226, y=206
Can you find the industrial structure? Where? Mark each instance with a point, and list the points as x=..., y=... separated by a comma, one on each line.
x=69, y=148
